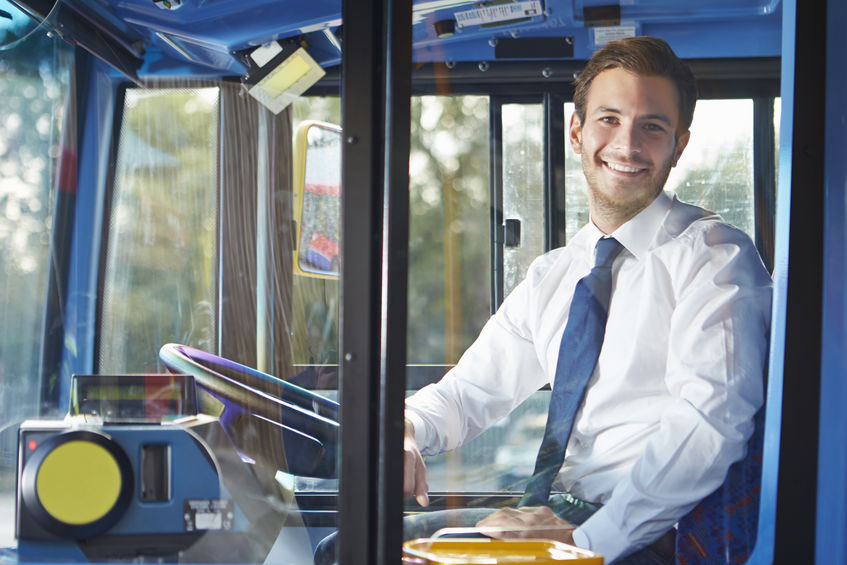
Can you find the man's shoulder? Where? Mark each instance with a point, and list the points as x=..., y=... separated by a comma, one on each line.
x=692, y=225
x=557, y=261
x=544, y=262
x=695, y=240
x=683, y=217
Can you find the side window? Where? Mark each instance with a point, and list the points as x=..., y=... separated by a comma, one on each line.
x=523, y=188
x=448, y=284
x=448, y=234
x=503, y=456
x=716, y=170
x=36, y=133
x=448, y=227
x=160, y=269
x=315, y=298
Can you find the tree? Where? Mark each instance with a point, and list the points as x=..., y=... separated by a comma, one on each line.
x=449, y=226
x=34, y=78
x=160, y=271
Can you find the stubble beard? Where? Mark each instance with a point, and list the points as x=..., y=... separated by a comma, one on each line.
x=618, y=211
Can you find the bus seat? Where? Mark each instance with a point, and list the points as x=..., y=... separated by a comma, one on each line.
x=723, y=527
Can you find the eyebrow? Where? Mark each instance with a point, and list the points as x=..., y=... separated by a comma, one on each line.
x=659, y=117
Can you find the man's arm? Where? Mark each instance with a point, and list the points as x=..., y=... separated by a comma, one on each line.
x=478, y=392
x=495, y=374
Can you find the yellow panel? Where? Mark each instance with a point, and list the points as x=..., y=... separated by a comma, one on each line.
x=78, y=482
x=495, y=551
x=284, y=77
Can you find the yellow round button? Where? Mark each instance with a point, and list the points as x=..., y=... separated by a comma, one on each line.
x=78, y=482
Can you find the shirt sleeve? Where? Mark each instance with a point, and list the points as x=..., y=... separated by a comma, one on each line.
x=495, y=374
x=715, y=367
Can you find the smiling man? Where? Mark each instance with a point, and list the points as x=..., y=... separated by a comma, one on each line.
x=629, y=135
x=662, y=367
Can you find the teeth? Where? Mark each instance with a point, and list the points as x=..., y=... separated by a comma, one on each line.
x=622, y=168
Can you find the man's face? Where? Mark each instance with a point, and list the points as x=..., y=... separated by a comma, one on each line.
x=628, y=142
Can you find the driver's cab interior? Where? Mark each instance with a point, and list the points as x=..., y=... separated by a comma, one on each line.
x=238, y=233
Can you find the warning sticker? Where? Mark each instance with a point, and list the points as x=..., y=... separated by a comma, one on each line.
x=210, y=514
x=603, y=35
x=498, y=13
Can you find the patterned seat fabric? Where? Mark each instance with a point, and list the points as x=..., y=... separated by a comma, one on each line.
x=723, y=527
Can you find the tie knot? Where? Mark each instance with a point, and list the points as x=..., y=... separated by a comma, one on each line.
x=605, y=252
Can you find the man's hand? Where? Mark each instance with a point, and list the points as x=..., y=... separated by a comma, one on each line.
x=414, y=470
x=528, y=522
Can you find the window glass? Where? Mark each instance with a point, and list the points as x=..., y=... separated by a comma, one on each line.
x=715, y=171
x=200, y=254
x=314, y=298
x=448, y=245
x=448, y=286
x=777, y=119
x=523, y=187
x=448, y=226
x=34, y=82
x=503, y=457
x=448, y=235
x=160, y=270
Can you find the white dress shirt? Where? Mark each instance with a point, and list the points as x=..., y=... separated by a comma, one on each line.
x=669, y=406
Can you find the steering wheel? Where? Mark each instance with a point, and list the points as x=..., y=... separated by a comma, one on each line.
x=262, y=413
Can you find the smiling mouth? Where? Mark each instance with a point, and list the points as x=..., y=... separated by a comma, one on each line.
x=617, y=167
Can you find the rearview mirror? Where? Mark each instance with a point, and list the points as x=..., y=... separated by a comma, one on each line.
x=317, y=199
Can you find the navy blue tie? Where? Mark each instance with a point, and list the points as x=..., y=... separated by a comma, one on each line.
x=578, y=352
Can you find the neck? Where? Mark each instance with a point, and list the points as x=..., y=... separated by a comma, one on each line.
x=609, y=216
x=608, y=219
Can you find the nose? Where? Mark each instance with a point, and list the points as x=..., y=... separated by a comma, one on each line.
x=627, y=139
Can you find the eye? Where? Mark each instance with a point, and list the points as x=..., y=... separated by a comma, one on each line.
x=654, y=127
x=611, y=120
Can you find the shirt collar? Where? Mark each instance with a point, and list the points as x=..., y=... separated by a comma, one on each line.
x=638, y=233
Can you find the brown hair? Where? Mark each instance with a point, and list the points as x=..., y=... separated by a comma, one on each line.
x=647, y=56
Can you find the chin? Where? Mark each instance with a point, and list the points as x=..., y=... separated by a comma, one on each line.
x=621, y=205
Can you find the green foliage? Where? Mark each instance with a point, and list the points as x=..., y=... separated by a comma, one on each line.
x=33, y=84
x=160, y=271
x=448, y=179
x=448, y=264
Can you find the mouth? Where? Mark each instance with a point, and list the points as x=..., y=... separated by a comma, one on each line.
x=623, y=169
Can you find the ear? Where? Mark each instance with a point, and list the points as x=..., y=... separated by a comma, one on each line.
x=681, y=143
x=575, y=134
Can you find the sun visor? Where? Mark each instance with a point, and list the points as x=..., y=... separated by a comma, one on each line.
x=279, y=73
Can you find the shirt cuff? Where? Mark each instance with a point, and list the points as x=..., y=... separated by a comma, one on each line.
x=601, y=535
x=420, y=429
x=580, y=539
